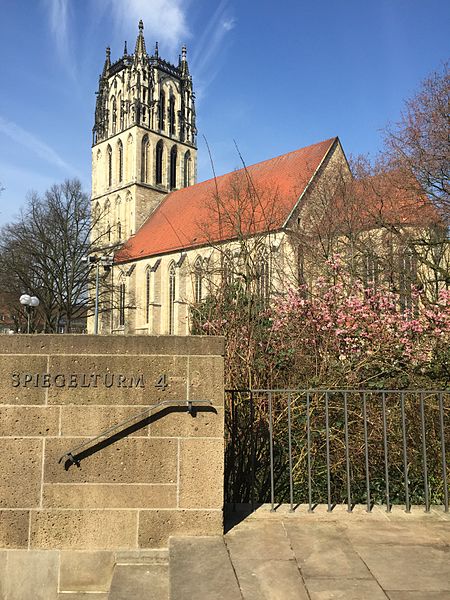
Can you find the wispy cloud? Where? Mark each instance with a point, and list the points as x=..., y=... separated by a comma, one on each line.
x=33, y=144
x=209, y=44
x=164, y=20
x=58, y=12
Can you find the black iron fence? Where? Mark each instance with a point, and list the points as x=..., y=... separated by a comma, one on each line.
x=333, y=446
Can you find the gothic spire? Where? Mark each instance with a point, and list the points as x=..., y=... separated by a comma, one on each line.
x=140, y=42
x=184, y=63
x=107, y=61
x=125, y=49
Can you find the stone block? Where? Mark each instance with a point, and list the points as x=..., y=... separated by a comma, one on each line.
x=120, y=380
x=20, y=472
x=201, y=473
x=113, y=344
x=14, y=528
x=206, y=422
x=83, y=529
x=31, y=575
x=130, y=460
x=206, y=379
x=109, y=496
x=23, y=421
x=156, y=526
x=18, y=383
x=85, y=571
x=92, y=420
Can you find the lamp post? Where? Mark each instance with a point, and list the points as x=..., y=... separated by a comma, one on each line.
x=107, y=262
x=30, y=302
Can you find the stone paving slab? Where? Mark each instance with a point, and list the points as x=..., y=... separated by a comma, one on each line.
x=31, y=575
x=139, y=582
x=200, y=569
x=270, y=580
x=344, y=589
x=322, y=550
x=418, y=595
x=415, y=568
x=266, y=540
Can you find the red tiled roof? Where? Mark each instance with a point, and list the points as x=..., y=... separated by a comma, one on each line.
x=248, y=201
x=392, y=198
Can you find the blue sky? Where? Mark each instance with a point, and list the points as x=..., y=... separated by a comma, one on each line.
x=274, y=76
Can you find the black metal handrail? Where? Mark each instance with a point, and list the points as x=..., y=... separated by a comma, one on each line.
x=189, y=408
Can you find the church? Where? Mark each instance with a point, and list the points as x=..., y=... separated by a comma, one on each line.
x=174, y=241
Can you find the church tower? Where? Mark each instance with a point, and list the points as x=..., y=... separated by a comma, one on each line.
x=144, y=139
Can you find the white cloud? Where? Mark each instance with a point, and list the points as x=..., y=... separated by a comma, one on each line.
x=229, y=24
x=34, y=144
x=58, y=21
x=209, y=45
x=164, y=21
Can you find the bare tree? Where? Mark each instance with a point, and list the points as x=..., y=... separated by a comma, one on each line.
x=42, y=253
x=420, y=142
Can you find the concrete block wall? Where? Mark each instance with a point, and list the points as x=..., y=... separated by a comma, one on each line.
x=162, y=477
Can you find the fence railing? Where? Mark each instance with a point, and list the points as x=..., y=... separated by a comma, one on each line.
x=338, y=445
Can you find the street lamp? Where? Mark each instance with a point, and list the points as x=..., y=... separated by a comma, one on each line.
x=107, y=262
x=30, y=302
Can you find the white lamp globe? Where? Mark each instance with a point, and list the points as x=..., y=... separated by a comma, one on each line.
x=25, y=299
x=34, y=301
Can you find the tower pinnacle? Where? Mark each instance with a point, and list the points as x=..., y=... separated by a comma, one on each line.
x=140, y=42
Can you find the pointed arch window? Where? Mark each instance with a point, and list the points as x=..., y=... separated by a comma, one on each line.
x=172, y=115
x=228, y=268
x=120, y=159
x=119, y=230
x=162, y=110
x=148, y=281
x=263, y=277
x=187, y=169
x=110, y=168
x=145, y=147
x=159, y=161
x=171, y=311
x=122, y=304
x=173, y=168
x=108, y=220
x=114, y=115
x=198, y=280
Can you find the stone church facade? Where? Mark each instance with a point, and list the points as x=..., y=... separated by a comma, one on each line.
x=173, y=241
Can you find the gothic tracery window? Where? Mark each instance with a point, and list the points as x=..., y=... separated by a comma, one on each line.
x=159, y=161
x=171, y=307
x=173, y=168
x=263, y=277
x=198, y=280
x=145, y=147
x=121, y=304
x=148, y=276
x=110, y=167
x=162, y=110
x=120, y=159
x=114, y=115
x=187, y=169
x=172, y=115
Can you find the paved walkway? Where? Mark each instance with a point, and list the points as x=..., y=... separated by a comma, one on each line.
x=319, y=556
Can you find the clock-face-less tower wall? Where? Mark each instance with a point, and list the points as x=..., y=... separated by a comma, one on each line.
x=144, y=139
